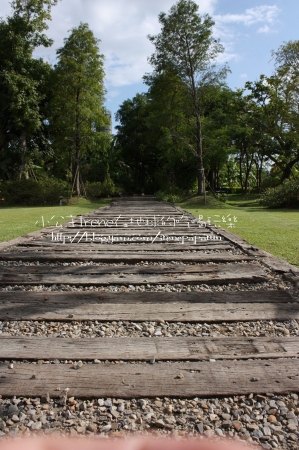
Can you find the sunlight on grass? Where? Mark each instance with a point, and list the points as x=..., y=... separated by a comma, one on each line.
x=273, y=230
x=17, y=221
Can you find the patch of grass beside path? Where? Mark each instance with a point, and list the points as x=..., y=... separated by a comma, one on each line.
x=274, y=230
x=19, y=220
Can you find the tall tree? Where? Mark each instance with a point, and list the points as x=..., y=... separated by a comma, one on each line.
x=272, y=111
x=132, y=140
x=170, y=125
x=78, y=111
x=186, y=47
x=23, y=77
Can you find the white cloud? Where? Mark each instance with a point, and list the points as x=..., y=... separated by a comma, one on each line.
x=243, y=75
x=265, y=30
x=229, y=27
x=121, y=25
x=263, y=13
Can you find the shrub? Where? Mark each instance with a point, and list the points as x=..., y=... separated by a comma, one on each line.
x=175, y=195
x=284, y=196
x=98, y=189
x=45, y=191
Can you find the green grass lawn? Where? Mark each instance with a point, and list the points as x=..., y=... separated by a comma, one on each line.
x=16, y=221
x=273, y=230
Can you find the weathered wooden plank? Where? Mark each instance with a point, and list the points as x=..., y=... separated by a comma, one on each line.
x=75, y=299
x=111, y=257
x=120, y=269
x=116, y=247
x=210, y=274
x=20, y=240
x=170, y=312
x=197, y=379
x=143, y=349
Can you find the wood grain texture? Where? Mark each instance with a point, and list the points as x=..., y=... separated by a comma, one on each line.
x=117, y=269
x=92, y=298
x=203, y=379
x=48, y=245
x=209, y=274
x=171, y=312
x=143, y=349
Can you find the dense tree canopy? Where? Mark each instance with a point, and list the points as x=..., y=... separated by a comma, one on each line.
x=186, y=47
x=77, y=107
x=23, y=78
x=189, y=132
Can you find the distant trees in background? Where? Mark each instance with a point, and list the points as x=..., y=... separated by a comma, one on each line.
x=189, y=132
x=246, y=140
x=51, y=118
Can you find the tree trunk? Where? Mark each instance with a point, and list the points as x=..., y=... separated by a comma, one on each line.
x=247, y=171
x=23, y=146
x=77, y=146
x=287, y=170
x=241, y=173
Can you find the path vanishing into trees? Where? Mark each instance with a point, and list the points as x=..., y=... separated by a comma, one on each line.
x=143, y=260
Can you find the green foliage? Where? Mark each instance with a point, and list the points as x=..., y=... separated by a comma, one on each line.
x=175, y=195
x=134, y=142
x=34, y=193
x=283, y=196
x=77, y=107
x=186, y=48
x=23, y=80
x=100, y=190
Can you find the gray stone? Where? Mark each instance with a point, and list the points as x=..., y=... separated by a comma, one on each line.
x=291, y=415
x=246, y=418
x=209, y=433
x=159, y=423
x=257, y=433
x=293, y=437
x=267, y=431
x=219, y=432
x=267, y=446
x=115, y=414
x=199, y=427
x=292, y=426
x=120, y=407
x=2, y=424
x=92, y=427
x=13, y=409
x=252, y=427
x=36, y=426
x=22, y=417
x=108, y=403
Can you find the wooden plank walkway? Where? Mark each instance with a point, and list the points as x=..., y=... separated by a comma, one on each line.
x=201, y=379
x=157, y=244
x=144, y=349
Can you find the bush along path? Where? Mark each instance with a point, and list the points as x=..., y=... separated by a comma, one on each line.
x=138, y=318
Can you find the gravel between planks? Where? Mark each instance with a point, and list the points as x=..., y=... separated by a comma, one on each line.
x=268, y=420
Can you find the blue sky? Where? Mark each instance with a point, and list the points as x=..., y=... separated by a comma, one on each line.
x=248, y=29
